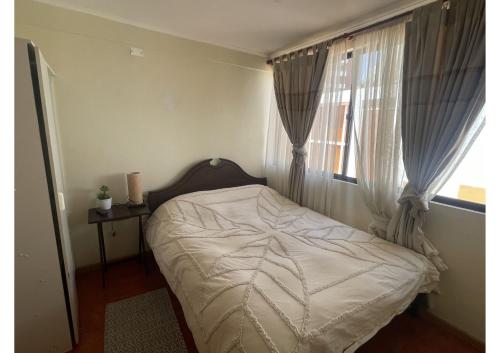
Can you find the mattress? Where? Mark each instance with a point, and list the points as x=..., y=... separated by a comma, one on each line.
x=254, y=272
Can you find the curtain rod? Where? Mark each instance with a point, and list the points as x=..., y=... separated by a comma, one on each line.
x=350, y=34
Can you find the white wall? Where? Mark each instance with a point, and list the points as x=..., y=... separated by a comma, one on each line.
x=183, y=102
x=460, y=237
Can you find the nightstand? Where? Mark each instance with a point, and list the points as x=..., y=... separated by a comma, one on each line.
x=119, y=212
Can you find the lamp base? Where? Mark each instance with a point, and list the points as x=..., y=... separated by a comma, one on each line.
x=131, y=204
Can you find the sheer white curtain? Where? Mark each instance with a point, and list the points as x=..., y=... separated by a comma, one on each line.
x=278, y=152
x=377, y=89
x=324, y=143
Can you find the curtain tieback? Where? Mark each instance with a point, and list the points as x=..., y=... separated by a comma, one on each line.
x=299, y=152
x=417, y=200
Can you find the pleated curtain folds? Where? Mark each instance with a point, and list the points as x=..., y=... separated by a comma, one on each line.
x=323, y=142
x=376, y=99
x=326, y=141
x=298, y=81
x=442, y=98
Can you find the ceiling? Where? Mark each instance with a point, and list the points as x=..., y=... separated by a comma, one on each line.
x=259, y=27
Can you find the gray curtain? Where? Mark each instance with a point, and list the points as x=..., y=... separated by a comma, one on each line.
x=443, y=94
x=298, y=81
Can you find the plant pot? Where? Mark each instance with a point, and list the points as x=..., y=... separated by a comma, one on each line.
x=104, y=204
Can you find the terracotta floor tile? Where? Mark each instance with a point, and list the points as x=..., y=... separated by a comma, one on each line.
x=405, y=334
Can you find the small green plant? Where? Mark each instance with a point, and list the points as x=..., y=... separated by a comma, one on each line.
x=103, y=193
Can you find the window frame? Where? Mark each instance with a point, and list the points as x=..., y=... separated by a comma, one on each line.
x=444, y=200
x=439, y=199
x=468, y=205
x=347, y=142
x=345, y=178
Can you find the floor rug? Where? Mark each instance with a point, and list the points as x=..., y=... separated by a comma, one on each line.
x=143, y=324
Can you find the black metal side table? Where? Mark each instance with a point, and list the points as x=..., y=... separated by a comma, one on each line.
x=118, y=212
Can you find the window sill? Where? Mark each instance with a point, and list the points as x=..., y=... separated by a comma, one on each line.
x=345, y=178
x=472, y=206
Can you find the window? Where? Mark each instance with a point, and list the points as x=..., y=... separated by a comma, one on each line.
x=467, y=186
x=339, y=152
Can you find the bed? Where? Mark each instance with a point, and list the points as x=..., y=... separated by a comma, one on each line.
x=255, y=272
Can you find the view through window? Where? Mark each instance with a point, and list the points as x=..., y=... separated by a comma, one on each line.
x=333, y=147
x=468, y=182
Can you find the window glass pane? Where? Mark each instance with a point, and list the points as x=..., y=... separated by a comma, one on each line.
x=328, y=134
x=468, y=182
x=344, y=110
x=351, y=164
x=341, y=131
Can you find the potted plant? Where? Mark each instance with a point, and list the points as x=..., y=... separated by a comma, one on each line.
x=103, y=198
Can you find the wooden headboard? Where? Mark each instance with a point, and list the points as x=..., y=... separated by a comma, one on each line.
x=209, y=174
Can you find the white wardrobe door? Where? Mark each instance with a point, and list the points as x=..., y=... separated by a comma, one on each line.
x=41, y=322
x=53, y=141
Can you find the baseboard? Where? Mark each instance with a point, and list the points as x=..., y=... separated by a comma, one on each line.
x=427, y=316
x=97, y=266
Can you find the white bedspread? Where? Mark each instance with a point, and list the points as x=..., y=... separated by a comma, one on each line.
x=254, y=272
